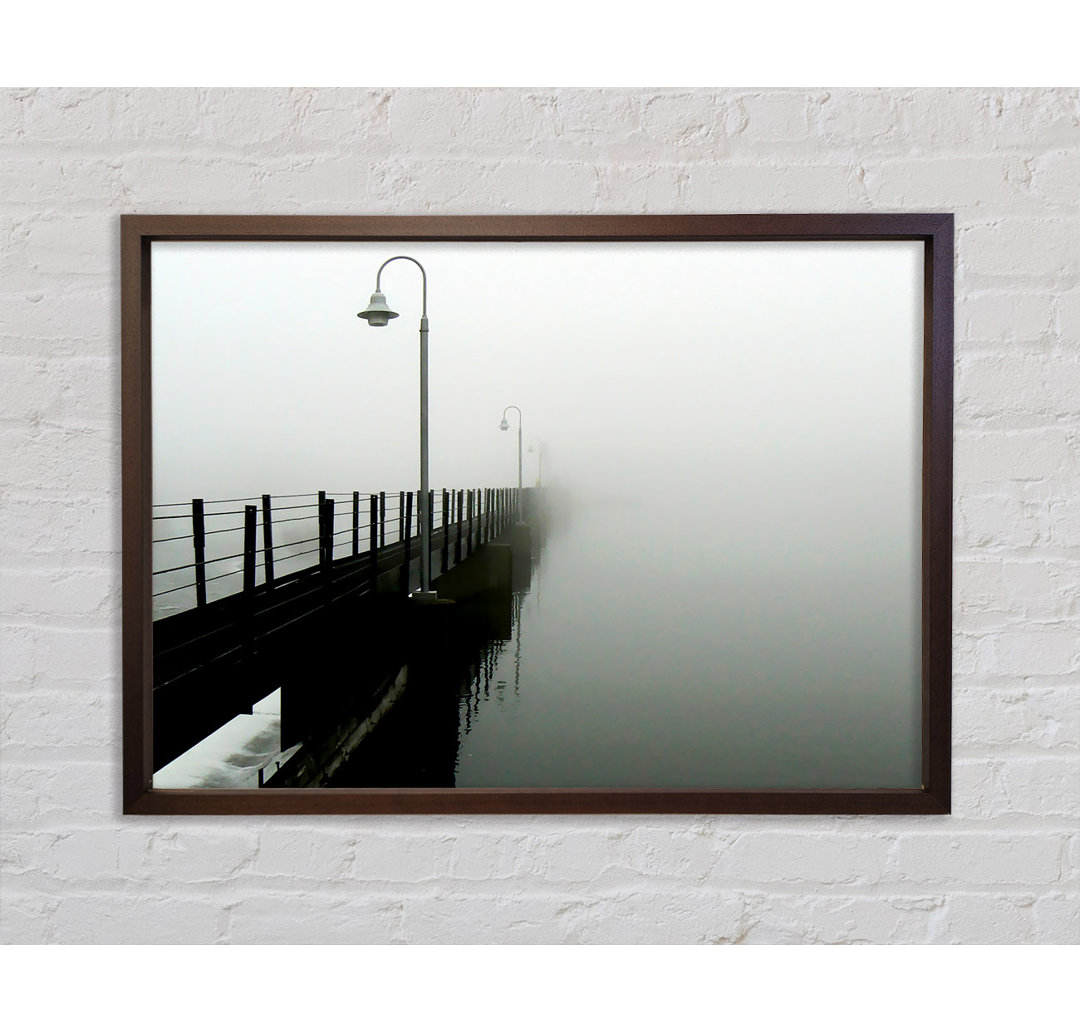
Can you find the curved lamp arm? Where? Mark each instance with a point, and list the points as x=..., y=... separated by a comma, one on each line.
x=423, y=273
x=517, y=410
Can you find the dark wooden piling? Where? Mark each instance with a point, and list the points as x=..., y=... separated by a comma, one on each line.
x=373, y=540
x=198, y=535
x=356, y=523
x=445, y=528
x=460, y=508
x=268, y=541
x=326, y=534
x=406, y=536
x=251, y=517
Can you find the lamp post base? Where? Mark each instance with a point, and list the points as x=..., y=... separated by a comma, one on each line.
x=424, y=597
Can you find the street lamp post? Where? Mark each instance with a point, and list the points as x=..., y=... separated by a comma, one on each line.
x=378, y=313
x=538, y=448
x=503, y=425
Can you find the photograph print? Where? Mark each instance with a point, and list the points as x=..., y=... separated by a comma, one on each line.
x=539, y=514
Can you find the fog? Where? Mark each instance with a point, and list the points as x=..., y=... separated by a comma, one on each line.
x=735, y=425
x=640, y=366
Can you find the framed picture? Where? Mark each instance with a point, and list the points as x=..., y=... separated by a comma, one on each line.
x=583, y=514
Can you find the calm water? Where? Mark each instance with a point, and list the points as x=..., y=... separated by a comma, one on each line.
x=693, y=660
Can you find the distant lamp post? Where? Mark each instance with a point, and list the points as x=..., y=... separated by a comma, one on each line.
x=506, y=426
x=378, y=313
x=538, y=448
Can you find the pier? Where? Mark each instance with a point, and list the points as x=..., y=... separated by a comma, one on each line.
x=327, y=616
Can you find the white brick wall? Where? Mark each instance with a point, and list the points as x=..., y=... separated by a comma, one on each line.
x=1002, y=868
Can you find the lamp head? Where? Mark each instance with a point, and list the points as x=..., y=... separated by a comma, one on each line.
x=503, y=425
x=378, y=313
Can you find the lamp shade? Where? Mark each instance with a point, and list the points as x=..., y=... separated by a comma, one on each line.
x=504, y=425
x=378, y=313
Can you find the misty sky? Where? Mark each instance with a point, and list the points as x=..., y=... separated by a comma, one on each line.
x=743, y=369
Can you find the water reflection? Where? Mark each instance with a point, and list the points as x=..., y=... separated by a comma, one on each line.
x=685, y=661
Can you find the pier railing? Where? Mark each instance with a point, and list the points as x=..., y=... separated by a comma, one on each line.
x=209, y=549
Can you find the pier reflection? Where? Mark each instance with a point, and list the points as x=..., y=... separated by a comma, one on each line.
x=418, y=742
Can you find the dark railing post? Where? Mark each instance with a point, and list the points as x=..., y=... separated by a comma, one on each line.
x=268, y=542
x=382, y=518
x=406, y=523
x=326, y=534
x=251, y=516
x=356, y=523
x=373, y=541
x=445, y=528
x=469, y=533
x=198, y=534
x=401, y=516
x=460, y=522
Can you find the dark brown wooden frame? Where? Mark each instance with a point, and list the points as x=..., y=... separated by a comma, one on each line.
x=936, y=232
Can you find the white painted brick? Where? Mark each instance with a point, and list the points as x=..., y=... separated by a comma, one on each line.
x=1064, y=521
x=1015, y=590
x=72, y=245
x=750, y=187
x=860, y=121
x=1046, y=787
x=77, y=185
x=1054, y=176
x=59, y=318
x=691, y=125
x=981, y=120
x=985, y=918
x=63, y=459
x=1057, y=918
x=316, y=918
x=1026, y=455
x=406, y=858
x=992, y=718
x=75, y=527
x=122, y=916
x=1039, y=251
x=215, y=855
x=549, y=125
x=766, y=857
x=427, y=121
x=186, y=183
x=990, y=386
x=990, y=859
x=776, y=116
x=87, y=655
x=916, y=183
x=65, y=116
x=324, y=854
x=1002, y=521
x=1066, y=305
x=1003, y=868
x=566, y=187
x=831, y=919
x=83, y=716
x=637, y=189
x=1049, y=650
x=61, y=592
x=1003, y=317
x=479, y=857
